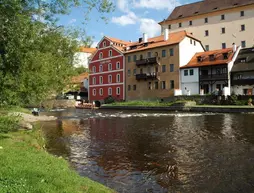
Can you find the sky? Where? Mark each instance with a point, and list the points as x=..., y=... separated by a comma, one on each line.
x=128, y=22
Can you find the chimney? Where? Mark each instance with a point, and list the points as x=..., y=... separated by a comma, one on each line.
x=165, y=34
x=145, y=38
x=234, y=47
x=140, y=40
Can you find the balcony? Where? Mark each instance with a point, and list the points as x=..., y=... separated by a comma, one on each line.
x=214, y=77
x=242, y=82
x=147, y=61
x=150, y=76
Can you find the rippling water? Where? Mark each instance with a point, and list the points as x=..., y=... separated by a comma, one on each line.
x=157, y=152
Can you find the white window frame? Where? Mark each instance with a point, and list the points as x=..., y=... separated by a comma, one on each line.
x=101, y=91
x=118, y=78
x=109, y=66
x=104, y=44
x=94, y=69
x=118, y=90
x=109, y=91
x=94, y=92
x=94, y=80
x=100, y=68
x=118, y=65
x=101, y=79
x=110, y=53
x=100, y=55
x=110, y=79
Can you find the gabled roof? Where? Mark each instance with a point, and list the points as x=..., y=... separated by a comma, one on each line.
x=205, y=58
x=203, y=7
x=117, y=40
x=244, y=61
x=173, y=38
x=79, y=78
x=87, y=50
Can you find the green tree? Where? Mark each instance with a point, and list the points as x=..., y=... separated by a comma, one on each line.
x=35, y=54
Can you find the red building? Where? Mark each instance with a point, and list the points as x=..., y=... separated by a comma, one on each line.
x=106, y=67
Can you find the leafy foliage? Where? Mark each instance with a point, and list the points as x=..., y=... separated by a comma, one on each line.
x=8, y=123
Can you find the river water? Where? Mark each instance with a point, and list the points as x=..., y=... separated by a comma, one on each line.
x=138, y=152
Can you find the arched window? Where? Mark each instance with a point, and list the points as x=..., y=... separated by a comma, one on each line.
x=101, y=80
x=109, y=78
x=94, y=69
x=94, y=92
x=100, y=68
x=110, y=53
x=101, y=91
x=94, y=80
x=118, y=90
x=104, y=44
x=109, y=66
x=101, y=55
x=109, y=91
x=118, y=65
x=118, y=78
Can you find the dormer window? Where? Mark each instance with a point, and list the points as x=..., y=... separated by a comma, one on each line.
x=212, y=57
x=199, y=58
x=225, y=56
x=243, y=60
x=215, y=8
x=196, y=12
x=180, y=16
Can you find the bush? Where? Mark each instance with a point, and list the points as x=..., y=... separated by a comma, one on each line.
x=8, y=123
x=109, y=100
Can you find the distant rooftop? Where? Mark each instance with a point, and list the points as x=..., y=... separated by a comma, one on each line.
x=87, y=50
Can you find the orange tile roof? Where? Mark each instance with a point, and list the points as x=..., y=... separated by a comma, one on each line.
x=173, y=38
x=80, y=78
x=87, y=50
x=118, y=40
x=219, y=59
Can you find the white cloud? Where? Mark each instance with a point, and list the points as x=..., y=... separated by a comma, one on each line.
x=149, y=26
x=128, y=19
x=156, y=4
x=72, y=21
x=123, y=5
x=94, y=44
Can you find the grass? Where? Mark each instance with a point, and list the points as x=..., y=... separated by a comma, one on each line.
x=27, y=167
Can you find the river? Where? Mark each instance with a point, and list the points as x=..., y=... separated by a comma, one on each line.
x=138, y=152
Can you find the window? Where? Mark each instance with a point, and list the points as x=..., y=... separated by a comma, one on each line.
x=149, y=86
x=100, y=68
x=191, y=72
x=129, y=72
x=109, y=78
x=223, y=30
x=134, y=87
x=243, y=27
x=129, y=87
x=118, y=78
x=180, y=24
x=190, y=22
x=110, y=53
x=118, y=90
x=171, y=67
x=163, y=85
x=223, y=45
x=194, y=43
x=94, y=69
x=141, y=57
x=186, y=73
x=156, y=85
x=109, y=91
x=109, y=66
x=101, y=80
x=242, y=13
x=163, y=53
x=134, y=72
x=134, y=58
x=94, y=92
x=118, y=65
x=169, y=26
x=207, y=47
x=104, y=44
x=129, y=58
x=222, y=17
x=101, y=91
x=149, y=54
x=101, y=55
x=206, y=20
x=172, y=84
x=163, y=68
x=171, y=51
x=206, y=33
x=94, y=80
x=191, y=41
x=243, y=44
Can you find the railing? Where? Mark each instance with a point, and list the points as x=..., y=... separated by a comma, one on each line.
x=149, y=76
x=147, y=61
x=242, y=82
x=214, y=77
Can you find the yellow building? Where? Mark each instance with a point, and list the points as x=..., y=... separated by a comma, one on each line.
x=217, y=23
x=152, y=65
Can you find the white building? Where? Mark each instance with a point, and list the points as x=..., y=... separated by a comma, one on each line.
x=81, y=58
x=217, y=23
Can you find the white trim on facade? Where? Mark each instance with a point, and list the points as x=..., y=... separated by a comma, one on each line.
x=105, y=59
x=106, y=72
x=113, y=84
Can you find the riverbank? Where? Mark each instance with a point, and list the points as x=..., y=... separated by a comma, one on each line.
x=195, y=108
x=27, y=167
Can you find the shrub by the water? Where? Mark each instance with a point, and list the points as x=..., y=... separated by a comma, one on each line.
x=8, y=123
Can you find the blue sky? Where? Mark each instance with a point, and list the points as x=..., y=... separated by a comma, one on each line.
x=129, y=21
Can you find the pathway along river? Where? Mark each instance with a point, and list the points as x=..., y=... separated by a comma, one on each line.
x=138, y=152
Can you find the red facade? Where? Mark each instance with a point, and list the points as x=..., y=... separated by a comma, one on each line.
x=106, y=68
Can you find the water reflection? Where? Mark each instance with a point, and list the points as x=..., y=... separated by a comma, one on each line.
x=158, y=152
